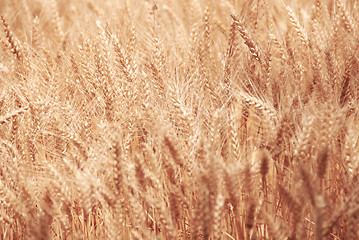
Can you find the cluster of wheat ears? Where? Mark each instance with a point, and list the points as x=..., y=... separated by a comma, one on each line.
x=179, y=119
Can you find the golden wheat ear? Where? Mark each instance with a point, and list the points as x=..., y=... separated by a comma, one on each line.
x=298, y=28
x=252, y=46
x=13, y=44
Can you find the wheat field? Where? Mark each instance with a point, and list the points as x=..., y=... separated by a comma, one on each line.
x=179, y=119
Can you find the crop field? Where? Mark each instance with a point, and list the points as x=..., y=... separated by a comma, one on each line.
x=179, y=119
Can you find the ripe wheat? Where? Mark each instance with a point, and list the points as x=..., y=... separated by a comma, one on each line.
x=179, y=119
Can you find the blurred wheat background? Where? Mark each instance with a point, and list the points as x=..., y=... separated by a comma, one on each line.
x=179, y=119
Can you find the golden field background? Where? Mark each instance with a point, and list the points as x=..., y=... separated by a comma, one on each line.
x=179, y=119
